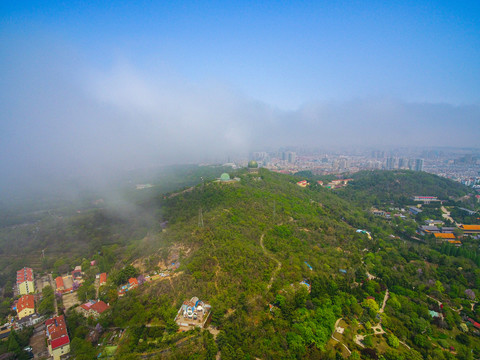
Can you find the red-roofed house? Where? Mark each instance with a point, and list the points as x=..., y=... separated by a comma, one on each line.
x=57, y=337
x=25, y=281
x=94, y=309
x=25, y=306
x=59, y=283
x=474, y=323
x=99, y=307
x=77, y=272
x=103, y=279
x=133, y=283
x=302, y=183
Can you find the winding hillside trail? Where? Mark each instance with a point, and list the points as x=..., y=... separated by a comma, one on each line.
x=385, y=298
x=271, y=256
x=334, y=338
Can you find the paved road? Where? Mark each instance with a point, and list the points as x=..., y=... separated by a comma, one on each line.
x=52, y=284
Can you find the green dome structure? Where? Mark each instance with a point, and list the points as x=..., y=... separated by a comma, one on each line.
x=224, y=177
x=252, y=164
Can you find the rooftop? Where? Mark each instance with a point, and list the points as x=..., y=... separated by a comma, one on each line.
x=59, y=282
x=99, y=307
x=103, y=278
x=56, y=329
x=444, y=236
x=26, y=301
x=25, y=274
x=470, y=227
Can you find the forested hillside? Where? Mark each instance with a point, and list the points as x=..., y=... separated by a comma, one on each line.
x=283, y=267
x=380, y=186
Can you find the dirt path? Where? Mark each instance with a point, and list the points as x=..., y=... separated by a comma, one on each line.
x=333, y=337
x=216, y=275
x=358, y=340
x=181, y=192
x=438, y=301
x=385, y=298
x=271, y=256
x=370, y=276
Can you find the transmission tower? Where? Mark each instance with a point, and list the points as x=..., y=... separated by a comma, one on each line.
x=200, y=218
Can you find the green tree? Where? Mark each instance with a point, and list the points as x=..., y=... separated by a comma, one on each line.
x=47, y=304
x=393, y=341
x=82, y=349
x=370, y=304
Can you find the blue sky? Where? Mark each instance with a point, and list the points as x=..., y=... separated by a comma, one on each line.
x=282, y=53
x=126, y=84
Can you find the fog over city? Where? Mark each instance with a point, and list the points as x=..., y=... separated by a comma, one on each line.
x=67, y=110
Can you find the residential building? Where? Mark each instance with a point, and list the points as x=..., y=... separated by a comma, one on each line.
x=25, y=306
x=133, y=283
x=77, y=273
x=94, y=309
x=302, y=183
x=25, y=281
x=57, y=337
x=5, y=331
x=59, y=283
x=103, y=279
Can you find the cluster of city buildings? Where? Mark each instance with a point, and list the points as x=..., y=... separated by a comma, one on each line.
x=57, y=340
x=457, y=164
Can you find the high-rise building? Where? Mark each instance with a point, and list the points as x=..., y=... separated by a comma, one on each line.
x=402, y=163
x=390, y=164
x=411, y=164
x=419, y=165
x=292, y=157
